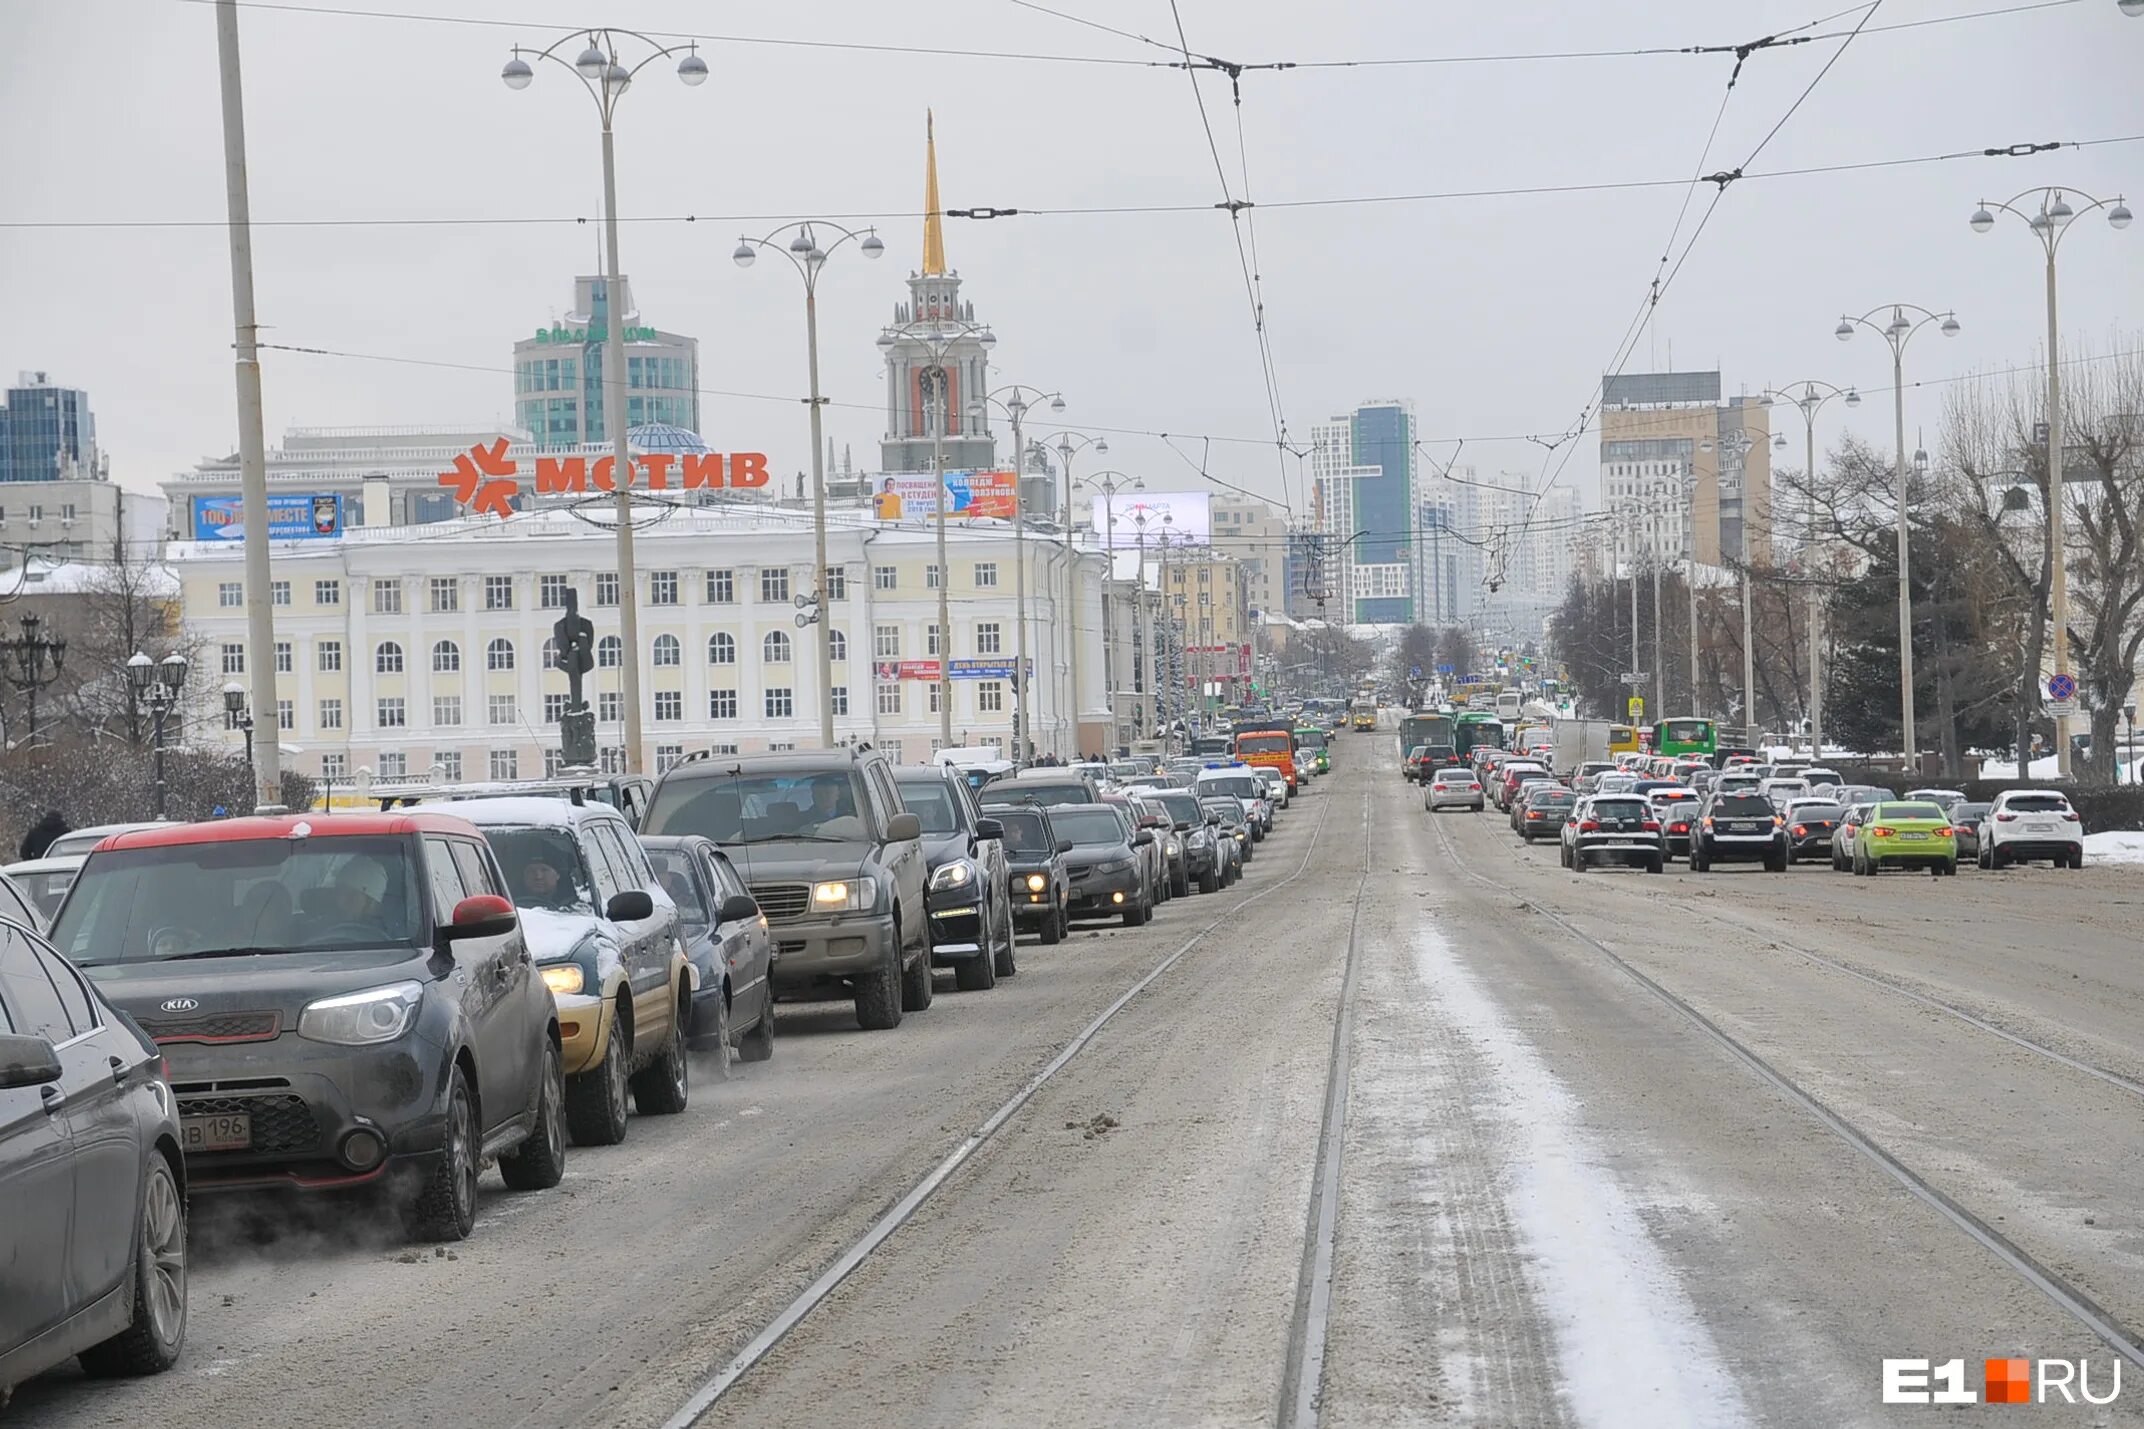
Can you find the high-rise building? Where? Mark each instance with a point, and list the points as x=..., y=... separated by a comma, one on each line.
x=558, y=372
x=1364, y=464
x=1682, y=470
x=931, y=384
x=47, y=433
x=1257, y=536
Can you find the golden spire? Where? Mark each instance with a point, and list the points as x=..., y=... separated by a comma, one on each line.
x=933, y=224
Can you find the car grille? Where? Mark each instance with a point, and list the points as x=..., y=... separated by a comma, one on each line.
x=216, y=1027
x=782, y=902
x=280, y=1123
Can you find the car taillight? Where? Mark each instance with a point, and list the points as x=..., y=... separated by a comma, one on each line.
x=1533, y=813
x=2066, y=814
x=1881, y=832
x=1946, y=833
x=1708, y=821
x=1800, y=830
x=1589, y=827
x=1651, y=826
x=2005, y=818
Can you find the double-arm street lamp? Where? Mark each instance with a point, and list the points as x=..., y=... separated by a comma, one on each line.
x=603, y=71
x=237, y=716
x=1069, y=445
x=1897, y=333
x=1013, y=400
x=158, y=682
x=32, y=661
x=2049, y=222
x=1109, y=483
x=808, y=257
x=1811, y=400
x=937, y=337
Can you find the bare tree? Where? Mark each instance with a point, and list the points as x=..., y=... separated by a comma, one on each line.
x=129, y=604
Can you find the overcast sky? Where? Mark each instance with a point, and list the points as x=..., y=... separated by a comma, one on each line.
x=1496, y=315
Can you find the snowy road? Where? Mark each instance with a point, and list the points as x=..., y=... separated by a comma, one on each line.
x=1565, y=1198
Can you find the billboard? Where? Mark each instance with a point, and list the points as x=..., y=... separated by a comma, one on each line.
x=962, y=669
x=291, y=517
x=1186, y=515
x=899, y=495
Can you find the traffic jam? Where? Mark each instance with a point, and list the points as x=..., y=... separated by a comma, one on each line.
x=372, y=1008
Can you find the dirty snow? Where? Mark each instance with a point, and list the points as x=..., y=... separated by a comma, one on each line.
x=2115, y=846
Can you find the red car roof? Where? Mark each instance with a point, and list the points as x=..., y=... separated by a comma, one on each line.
x=283, y=826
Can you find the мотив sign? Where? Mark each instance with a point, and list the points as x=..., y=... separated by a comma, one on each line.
x=486, y=480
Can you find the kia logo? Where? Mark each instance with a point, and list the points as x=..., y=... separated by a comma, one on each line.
x=180, y=1004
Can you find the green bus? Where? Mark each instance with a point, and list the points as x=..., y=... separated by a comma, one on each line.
x=1424, y=728
x=1475, y=728
x=1686, y=736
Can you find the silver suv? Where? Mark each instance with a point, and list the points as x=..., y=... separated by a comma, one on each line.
x=834, y=859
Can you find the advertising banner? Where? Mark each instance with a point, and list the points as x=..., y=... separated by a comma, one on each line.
x=1187, y=517
x=928, y=669
x=315, y=517
x=902, y=495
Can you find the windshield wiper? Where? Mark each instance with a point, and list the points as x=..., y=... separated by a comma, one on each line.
x=222, y=953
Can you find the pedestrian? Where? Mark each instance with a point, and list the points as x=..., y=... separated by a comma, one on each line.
x=42, y=834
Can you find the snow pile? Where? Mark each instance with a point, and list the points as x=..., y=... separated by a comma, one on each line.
x=2115, y=846
x=2042, y=768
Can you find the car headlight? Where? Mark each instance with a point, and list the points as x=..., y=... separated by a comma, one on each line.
x=957, y=874
x=564, y=978
x=357, y=1019
x=1036, y=882
x=1175, y=848
x=1116, y=867
x=851, y=895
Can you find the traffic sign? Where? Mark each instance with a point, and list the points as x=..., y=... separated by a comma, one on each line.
x=2062, y=686
x=2062, y=709
x=1636, y=679
x=1637, y=708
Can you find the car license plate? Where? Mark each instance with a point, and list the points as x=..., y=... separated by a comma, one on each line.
x=216, y=1133
x=1741, y=828
x=1913, y=834
x=2040, y=828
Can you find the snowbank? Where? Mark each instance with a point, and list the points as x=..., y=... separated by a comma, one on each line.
x=2115, y=846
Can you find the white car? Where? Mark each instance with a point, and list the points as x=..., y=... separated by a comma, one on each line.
x=1276, y=784
x=1784, y=791
x=2025, y=824
x=1818, y=775
x=1737, y=784
x=1453, y=789
x=1945, y=799
x=1622, y=781
x=1589, y=774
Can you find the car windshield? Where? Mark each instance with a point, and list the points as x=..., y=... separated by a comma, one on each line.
x=2038, y=804
x=1969, y=813
x=236, y=896
x=732, y=809
x=1742, y=806
x=1310, y=739
x=1818, y=812
x=1089, y=827
x=544, y=867
x=1262, y=744
x=1909, y=811
x=46, y=890
x=1620, y=809
x=1230, y=811
x=932, y=804
x=1027, y=832
x=1035, y=791
x=673, y=866
x=1551, y=798
x=1240, y=786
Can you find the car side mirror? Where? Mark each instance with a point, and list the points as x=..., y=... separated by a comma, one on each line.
x=630, y=906
x=1213, y=821
x=1143, y=837
x=27, y=1062
x=1064, y=845
x=481, y=915
x=903, y=827
x=989, y=829
x=737, y=908
x=1183, y=826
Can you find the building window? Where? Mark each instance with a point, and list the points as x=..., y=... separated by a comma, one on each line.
x=386, y=597
x=607, y=588
x=499, y=655
x=498, y=592
x=610, y=652
x=611, y=759
x=774, y=650
x=554, y=708
x=930, y=639
x=986, y=574
x=450, y=764
x=990, y=696
x=668, y=651
x=230, y=595
x=553, y=761
x=837, y=583
x=934, y=701
x=282, y=657
x=668, y=756
x=721, y=649
x=551, y=592
x=886, y=642
x=892, y=748
x=443, y=595
x=327, y=592
x=721, y=587
x=394, y=764
x=662, y=587
x=774, y=584
x=447, y=711
x=446, y=658
x=930, y=577
x=610, y=707
x=669, y=706
x=989, y=638
x=889, y=699
x=331, y=714
x=286, y=714
x=550, y=652
x=390, y=713
x=781, y=703
x=387, y=659
x=279, y=592
x=722, y=704
x=234, y=659
x=837, y=646
x=840, y=697
x=499, y=709
x=505, y=764
x=884, y=577
x=335, y=766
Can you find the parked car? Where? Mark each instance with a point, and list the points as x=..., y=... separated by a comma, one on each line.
x=1738, y=826
x=1277, y=788
x=1233, y=831
x=2026, y=824
x=1612, y=829
x=969, y=896
x=1810, y=825
x=1035, y=872
x=1540, y=810
x=1149, y=812
x=1237, y=782
x=1453, y=789
x=1203, y=861
x=728, y=946
x=1965, y=822
x=343, y=1001
x=1153, y=854
x=1906, y=834
x=40, y=885
x=1105, y=872
x=833, y=859
x=93, y=1237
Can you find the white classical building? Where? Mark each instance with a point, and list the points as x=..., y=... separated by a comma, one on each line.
x=425, y=650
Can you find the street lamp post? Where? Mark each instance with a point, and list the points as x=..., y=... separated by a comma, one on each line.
x=158, y=682
x=1812, y=399
x=607, y=78
x=2049, y=224
x=1897, y=333
x=937, y=337
x=35, y=663
x=241, y=718
x=1068, y=445
x=1013, y=400
x=1109, y=483
x=808, y=258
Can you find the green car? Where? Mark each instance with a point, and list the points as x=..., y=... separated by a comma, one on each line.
x=1908, y=835
x=1313, y=740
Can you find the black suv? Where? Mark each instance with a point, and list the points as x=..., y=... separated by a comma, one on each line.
x=970, y=904
x=343, y=1000
x=833, y=857
x=1739, y=828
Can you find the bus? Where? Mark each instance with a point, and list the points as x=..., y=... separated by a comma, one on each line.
x=1423, y=729
x=1270, y=743
x=1476, y=728
x=1315, y=742
x=1508, y=705
x=1700, y=737
x=1363, y=714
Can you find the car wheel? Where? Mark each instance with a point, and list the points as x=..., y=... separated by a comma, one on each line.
x=918, y=987
x=1007, y=963
x=662, y=1087
x=1053, y=929
x=878, y=996
x=1210, y=880
x=1578, y=861
x=758, y=1044
x=1999, y=859
x=1180, y=884
x=444, y=1207
x=152, y=1343
x=1861, y=866
x=1838, y=864
x=979, y=973
x=1656, y=864
x=539, y=1162
x=595, y=1100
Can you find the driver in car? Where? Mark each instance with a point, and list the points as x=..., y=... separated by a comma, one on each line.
x=539, y=884
x=829, y=801
x=359, y=895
